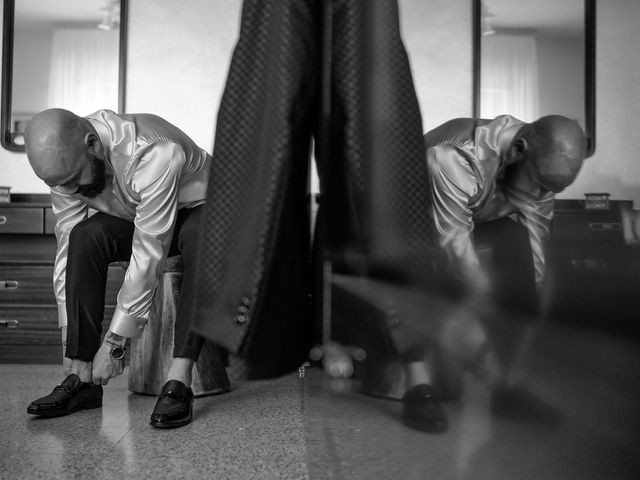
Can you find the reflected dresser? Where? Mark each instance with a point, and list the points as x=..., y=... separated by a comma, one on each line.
x=28, y=313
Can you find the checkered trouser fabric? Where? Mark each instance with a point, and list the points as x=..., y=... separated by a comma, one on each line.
x=373, y=175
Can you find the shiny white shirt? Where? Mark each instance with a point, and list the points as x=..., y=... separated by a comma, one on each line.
x=153, y=170
x=467, y=163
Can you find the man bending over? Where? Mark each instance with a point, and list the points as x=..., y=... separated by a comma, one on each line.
x=147, y=181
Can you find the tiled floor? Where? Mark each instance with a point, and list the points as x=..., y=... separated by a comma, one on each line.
x=256, y=431
x=323, y=429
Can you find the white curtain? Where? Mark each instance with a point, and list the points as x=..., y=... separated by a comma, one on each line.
x=509, y=79
x=84, y=70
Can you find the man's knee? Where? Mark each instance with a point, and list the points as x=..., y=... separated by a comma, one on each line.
x=86, y=234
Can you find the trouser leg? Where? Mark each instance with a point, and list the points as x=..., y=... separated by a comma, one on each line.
x=187, y=343
x=93, y=244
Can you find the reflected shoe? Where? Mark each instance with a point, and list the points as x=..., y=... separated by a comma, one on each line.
x=518, y=403
x=68, y=397
x=174, y=407
x=421, y=410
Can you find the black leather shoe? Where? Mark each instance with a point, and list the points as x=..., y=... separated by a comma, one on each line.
x=422, y=411
x=70, y=396
x=174, y=407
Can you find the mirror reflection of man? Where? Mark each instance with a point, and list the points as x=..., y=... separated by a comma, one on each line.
x=147, y=180
x=482, y=171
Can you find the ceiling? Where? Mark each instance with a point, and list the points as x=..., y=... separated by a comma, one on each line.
x=38, y=13
x=559, y=16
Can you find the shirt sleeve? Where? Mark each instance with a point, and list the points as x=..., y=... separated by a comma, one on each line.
x=156, y=181
x=536, y=215
x=68, y=211
x=453, y=186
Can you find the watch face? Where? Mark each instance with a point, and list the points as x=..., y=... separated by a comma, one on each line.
x=117, y=353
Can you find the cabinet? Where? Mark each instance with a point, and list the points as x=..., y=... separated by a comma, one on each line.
x=28, y=313
x=594, y=276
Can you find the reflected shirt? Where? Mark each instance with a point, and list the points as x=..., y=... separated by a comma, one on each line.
x=472, y=181
x=153, y=170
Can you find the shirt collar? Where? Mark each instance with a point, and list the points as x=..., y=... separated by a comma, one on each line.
x=506, y=135
x=103, y=134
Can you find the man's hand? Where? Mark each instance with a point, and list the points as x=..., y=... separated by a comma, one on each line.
x=105, y=367
x=66, y=362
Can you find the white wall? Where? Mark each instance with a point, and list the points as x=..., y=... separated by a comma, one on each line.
x=437, y=36
x=27, y=69
x=178, y=57
x=615, y=166
x=179, y=54
x=561, y=80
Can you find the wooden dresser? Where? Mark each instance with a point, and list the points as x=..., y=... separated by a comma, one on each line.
x=594, y=274
x=28, y=313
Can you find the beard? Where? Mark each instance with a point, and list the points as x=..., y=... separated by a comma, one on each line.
x=99, y=179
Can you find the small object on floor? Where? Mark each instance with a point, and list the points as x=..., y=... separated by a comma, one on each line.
x=174, y=407
x=519, y=403
x=421, y=410
x=68, y=397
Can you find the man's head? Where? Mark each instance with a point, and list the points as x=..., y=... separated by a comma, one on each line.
x=553, y=147
x=65, y=151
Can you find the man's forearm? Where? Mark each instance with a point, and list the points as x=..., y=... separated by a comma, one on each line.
x=114, y=340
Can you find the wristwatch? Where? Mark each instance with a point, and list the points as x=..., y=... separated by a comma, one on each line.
x=117, y=353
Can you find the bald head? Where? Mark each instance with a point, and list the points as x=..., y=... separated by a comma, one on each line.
x=556, y=148
x=56, y=144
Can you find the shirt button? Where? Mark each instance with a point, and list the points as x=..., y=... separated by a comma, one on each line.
x=240, y=319
x=246, y=301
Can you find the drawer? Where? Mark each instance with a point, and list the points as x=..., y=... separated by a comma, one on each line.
x=16, y=248
x=29, y=326
x=49, y=221
x=588, y=227
x=35, y=325
x=26, y=285
x=33, y=285
x=21, y=220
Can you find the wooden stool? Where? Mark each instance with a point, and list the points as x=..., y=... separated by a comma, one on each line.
x=151, y=354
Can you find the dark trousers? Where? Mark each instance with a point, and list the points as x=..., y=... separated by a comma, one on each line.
x=96, y=242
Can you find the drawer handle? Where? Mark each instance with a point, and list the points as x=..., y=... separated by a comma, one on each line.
x=9, y=323
x=605, y=226
x=3, y=219
x=8, y=284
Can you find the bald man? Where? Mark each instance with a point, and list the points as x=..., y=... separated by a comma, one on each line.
x=485, y=171
x=147, y=180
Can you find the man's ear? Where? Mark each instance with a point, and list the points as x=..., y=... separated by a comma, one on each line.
x=93, y=143
x=520, y=147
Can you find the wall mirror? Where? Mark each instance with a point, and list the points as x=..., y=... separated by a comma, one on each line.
x=64, y=53
x=535, y=58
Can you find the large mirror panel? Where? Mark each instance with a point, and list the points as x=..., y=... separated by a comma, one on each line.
x=64, y=53
x=535, y=58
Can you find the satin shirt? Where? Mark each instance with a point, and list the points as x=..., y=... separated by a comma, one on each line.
x=473, y=181
x=153, y=170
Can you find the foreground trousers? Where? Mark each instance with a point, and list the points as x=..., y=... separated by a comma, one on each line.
x=96, y=242
x=335, y=71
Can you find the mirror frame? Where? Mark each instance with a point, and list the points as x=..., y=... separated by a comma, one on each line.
x=589, y=68
x=8, y=20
